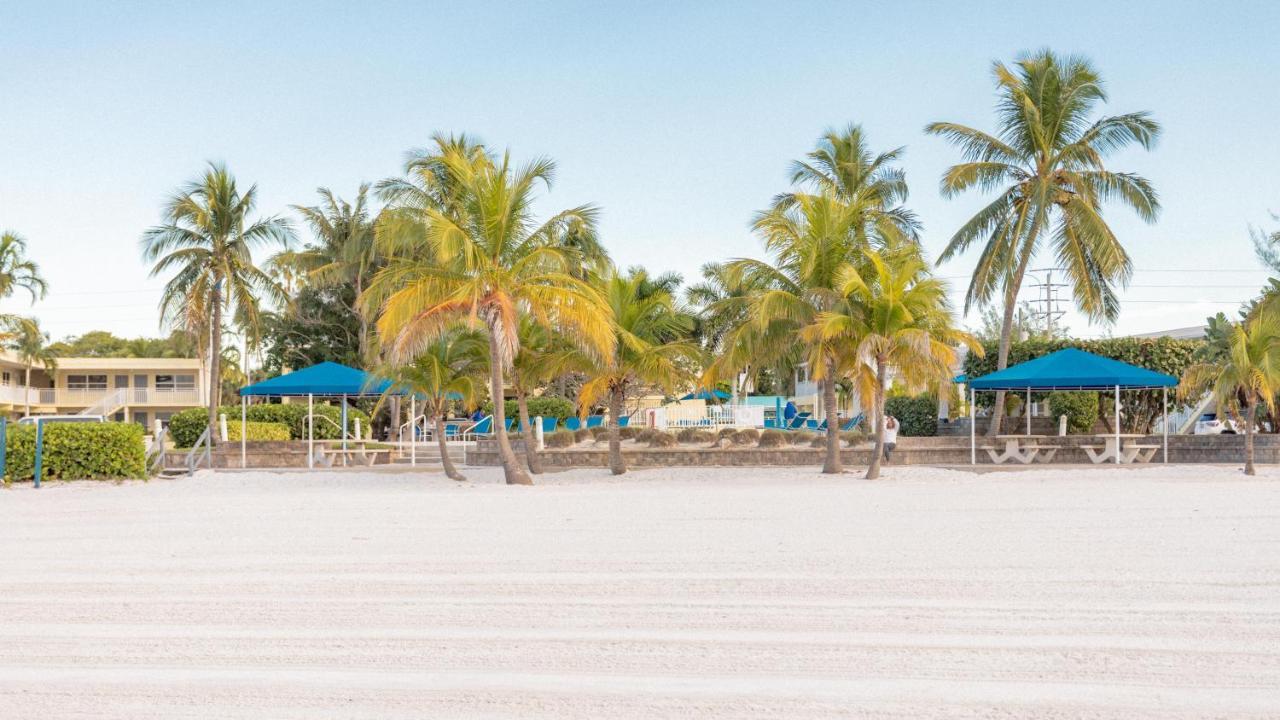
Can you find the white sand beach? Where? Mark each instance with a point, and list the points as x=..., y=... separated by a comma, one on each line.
x=712, y=593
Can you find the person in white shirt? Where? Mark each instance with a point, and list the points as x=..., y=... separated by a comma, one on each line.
x=890, y=435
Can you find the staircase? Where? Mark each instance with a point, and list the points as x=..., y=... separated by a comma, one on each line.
x=109, y=403
x=429, y=456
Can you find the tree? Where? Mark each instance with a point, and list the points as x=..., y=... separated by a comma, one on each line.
x=17, y=271
x=30, y=343
x=103, y=344
x=1046, y=162
x=207, y=241
x=344, y=252
x=544, y=354
x=447, y=370
x=318, y=325
x=1248, y=374
x=464, y=247
x=649, y=350
x=895, y=315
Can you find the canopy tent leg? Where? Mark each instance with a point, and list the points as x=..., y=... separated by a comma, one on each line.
x=1117, y=424
x=1027, y=412
x=1164, y=424
x=413, y=430
x=973, y=429
x=244, y=430
x=344, y=430
x=311, y=431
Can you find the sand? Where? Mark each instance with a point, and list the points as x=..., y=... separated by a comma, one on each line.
x=715, y=593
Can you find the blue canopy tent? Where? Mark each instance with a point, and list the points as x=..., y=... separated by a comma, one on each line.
x=325, y=380
x=718, y=395
x=1071, y=369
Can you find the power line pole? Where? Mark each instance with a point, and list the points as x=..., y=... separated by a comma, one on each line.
x=1048, y=310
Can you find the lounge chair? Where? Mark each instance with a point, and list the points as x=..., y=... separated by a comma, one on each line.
x=798, y=421
x=549, y=424
x=624, y=421
x=573, y=424
x=595, y=421
x=484, y=427
x=510, y=422
x=852, y=422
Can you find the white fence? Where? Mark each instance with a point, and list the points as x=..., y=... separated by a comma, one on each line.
x=711, y=416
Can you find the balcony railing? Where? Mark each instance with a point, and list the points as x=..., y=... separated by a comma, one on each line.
x=66, y=397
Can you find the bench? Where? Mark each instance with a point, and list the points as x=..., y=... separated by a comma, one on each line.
x=1046, y=452
x=1141, y=453
x=1025, y=454
x=328, y=457
x=1096, y=453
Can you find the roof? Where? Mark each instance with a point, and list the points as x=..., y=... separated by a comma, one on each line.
x=1194, y=332
x=1072, y=369
x=766, y=400
x=327, y=378
x=111, y=363
x=707, y=395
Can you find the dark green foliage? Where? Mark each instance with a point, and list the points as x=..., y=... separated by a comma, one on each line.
x=918, y=415
x=102, y=344
x=258, y=431
x=185, y=427
x=773, y=438
x=1081, y=409
x=542, y=406
x=1139, y=407
x=319, y=325
x=77, y=451
x=560, y=439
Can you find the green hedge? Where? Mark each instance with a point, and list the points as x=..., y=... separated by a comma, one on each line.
x=918, y=415
x=258, y=431
x=185, y=427
x=542, y=406
x=77, y=451
x=1081, y=409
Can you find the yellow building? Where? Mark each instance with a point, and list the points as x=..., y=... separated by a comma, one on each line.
x=142, y=390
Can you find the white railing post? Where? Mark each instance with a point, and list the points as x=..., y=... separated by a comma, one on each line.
x=537, y=433
x=222, y=426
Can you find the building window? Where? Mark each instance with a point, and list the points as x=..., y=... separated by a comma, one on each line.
x=86, y=382
x=118, y=417
x=6, y=379
x=175, y=382
x=122, y=381
x=141, y=419
x=163, y=417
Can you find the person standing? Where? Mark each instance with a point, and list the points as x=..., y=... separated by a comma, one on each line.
x=890, y=435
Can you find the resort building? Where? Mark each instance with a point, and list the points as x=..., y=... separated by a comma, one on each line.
x=141, y=390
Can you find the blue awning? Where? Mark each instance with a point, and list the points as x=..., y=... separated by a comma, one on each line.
x=707, y=395
x=1073, y=369
x=327, y=378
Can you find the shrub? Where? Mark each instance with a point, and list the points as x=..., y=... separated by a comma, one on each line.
x=599, y=433
x=77, y=451
x=918, y=416
x=647, y=434
x=748, y=436
x=583, y=434
x=258, y=431
x=819, y=440
x=185, y=427
x=560, y=439
x=695, y=435
x=798, y=438
x=541, y=406
x=662, y=439
x=628, y=433
x=1081, y=409
x=773, y=439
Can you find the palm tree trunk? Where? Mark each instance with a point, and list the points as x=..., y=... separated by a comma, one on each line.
x=530, y=435
x=364, y=323
x=832, y=464
x=873, y=471
x=28, y=389
x=1006, y=339
x=215, y=361
x=617, y=397
x=449, y=470
x=1249, y=419
x=511, y=469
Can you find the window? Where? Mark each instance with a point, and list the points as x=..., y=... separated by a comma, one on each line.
x=175, y=382
x=163, y=417
x=141, y=419
x=6, y=379
x=87, y=382
x=140, y=381
x=122, y=381
x=118, y=417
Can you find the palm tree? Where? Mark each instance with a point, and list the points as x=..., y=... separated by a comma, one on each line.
x=1247, y=374
x=345, y=251
x=648, y=351
x=449, y=369
x=544, y=355
x=208, y=239
x=1046, y=162
x=17, y=271
x=463, y=246
x=895, y=315
x=31, y=344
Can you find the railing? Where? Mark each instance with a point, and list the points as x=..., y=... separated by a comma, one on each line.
x=155, y=452
x=107, y=404
x=428, y=432
x=85, y=398
x=712, y=416
x=195, y=457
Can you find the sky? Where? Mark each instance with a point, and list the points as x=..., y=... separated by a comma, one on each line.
x=677, y=119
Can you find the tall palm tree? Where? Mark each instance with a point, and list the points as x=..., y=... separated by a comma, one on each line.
x=649, y=350
x=463, y=246
x=813, y=244
x=207, y=240
x=17, y=271
x=344, y=251
x=31, y=344
x=544, y=355
x=449, y=369
x=1046, y=160
x=894, y=314
x=1247, y=374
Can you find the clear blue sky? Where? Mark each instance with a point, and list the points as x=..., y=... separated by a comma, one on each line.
x=677, y=119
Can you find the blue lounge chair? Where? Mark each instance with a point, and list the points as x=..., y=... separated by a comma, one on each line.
x=852, y=422
x=624, y=421
x=510, y=422
x=798, y=421
x=484, y=427
x=595, y=421
x=573, y=424
x=549, y=424
x=451, y=429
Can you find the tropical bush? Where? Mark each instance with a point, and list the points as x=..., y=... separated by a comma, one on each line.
x=747, y=436
x=185, y=427
x=257, y=431
x=560, y=439
x=662, y=439
x=695, y=435
x=1081, y=409
x=542, y=406
x=918, y=416
x=583, y=434
x=773, y=438
x=77, y=451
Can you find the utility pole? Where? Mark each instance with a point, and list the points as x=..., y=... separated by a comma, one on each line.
x=1048, y=310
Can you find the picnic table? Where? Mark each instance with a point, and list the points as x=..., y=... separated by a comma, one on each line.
x=1026, y=449
x=1122, y=447
x=356, y=452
